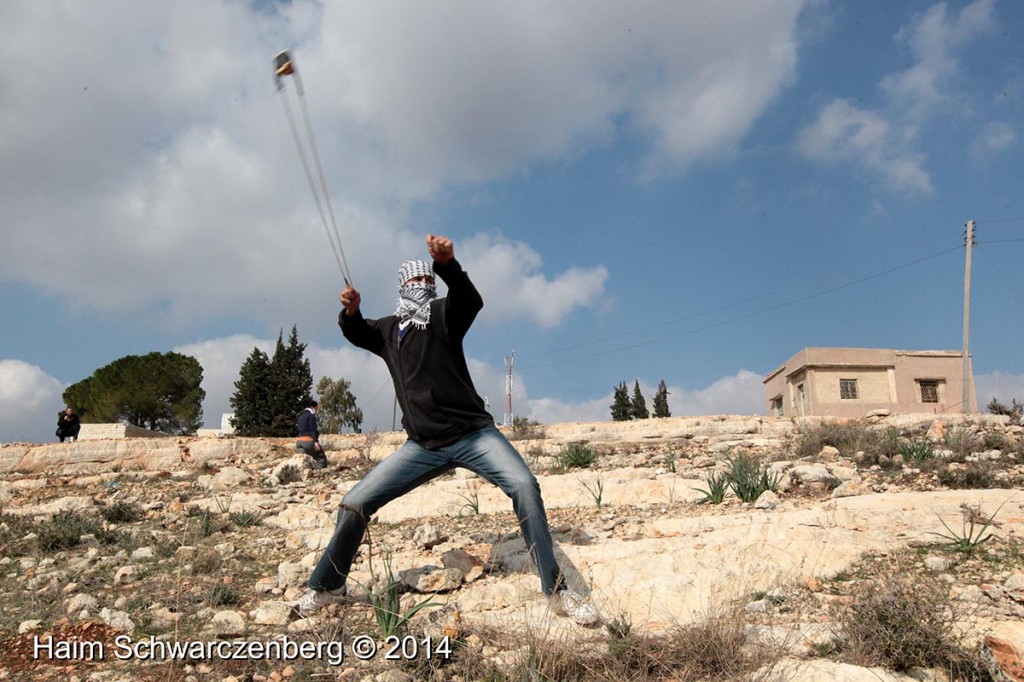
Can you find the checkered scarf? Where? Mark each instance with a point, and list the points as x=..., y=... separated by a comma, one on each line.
x=414, y=298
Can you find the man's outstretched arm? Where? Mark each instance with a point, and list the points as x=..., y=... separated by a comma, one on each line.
x=463, y=300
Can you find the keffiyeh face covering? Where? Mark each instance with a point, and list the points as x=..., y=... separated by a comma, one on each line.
x=414, y=297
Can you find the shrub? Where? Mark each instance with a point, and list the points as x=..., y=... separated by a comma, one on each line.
x=13, y=532
x=122, y=512
x=526, y=429
x=577, y=456
x=207, y=563
x=65, y=530
x=223, y=595
x=902, y=622
x=289, y=473
x=971, y=476
x=961, y=442
x=848, y=438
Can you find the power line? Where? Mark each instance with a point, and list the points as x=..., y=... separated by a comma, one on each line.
x=1000, y=220
x=653, y=326
x=999, y=273
x=749, y=315
x=1001, y=241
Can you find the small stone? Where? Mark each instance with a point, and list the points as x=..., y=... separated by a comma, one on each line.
x=427, y=535
x=28, y=626
x=767, y=500
x=124, y=575
x=143, y=554
x=272, y=613
x=227, y=624
x=828, y=454
x=433, y=579
x=812, y=583
x=81, y=602
x=936, y=564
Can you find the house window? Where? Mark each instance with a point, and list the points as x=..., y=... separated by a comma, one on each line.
x=848, y=389
x=929, y=391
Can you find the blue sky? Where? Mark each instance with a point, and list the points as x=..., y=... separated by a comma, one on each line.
x=688, y=192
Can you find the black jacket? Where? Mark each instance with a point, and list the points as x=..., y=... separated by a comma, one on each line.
x=439, y=403
x=308, y=426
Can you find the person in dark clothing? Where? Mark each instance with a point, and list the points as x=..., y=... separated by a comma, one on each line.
x=68, y=425
x=445, y=420
x=308, y=439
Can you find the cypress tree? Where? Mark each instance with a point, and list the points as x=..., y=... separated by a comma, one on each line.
x=661, y=401
x=251, y=400
x=621, y=409
x=639, y=406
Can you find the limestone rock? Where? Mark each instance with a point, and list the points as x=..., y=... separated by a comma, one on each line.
x=291, y=574
x=117, y=619
x=849, y=489
x=272, y=613
x=227, y=478
x=767, y=500
x=432, y=579
x=427, y=535
x=81, y=602
x=227, y=624
x=828, y=454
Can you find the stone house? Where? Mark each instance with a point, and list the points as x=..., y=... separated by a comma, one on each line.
x=852, y=382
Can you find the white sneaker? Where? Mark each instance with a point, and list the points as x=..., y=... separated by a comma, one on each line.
x=314, y=600
x=574, y=605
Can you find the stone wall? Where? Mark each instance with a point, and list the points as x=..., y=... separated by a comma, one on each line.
x=713, y=434
x=106, y=431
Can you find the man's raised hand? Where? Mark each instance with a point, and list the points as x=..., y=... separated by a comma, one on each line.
x=441, y=248
x=350, y=299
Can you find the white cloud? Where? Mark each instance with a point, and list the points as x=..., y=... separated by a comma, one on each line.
x=741, y=393
x=848, y=133
x=151, y=148
x=882, y=143
x=932, y=38
x=1003, y=387
x=29, y=402
x=994, y=138
x=508, y=276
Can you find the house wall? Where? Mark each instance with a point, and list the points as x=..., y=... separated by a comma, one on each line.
x=886, y=379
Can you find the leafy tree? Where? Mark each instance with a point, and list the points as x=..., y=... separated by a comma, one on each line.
x=158, y=391
x=661, y=401
x=621, y=408
x=638, y=409
x=270, y=393
x=337, y=406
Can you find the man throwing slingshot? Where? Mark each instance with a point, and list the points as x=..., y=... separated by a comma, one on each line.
x=446, y=422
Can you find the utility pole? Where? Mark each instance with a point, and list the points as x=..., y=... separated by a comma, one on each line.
x=510, y=360
x=966, y=379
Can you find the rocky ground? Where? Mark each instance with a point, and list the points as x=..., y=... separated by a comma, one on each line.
x=120, y=548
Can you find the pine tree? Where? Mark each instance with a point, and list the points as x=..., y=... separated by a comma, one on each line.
x=251, y=400
x=661, y=401
x=621, y=409
x=157, y=391
x=337, y=406
x=639, y=407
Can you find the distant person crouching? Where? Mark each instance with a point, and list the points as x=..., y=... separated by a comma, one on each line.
x=309, y=436
x=68, y=425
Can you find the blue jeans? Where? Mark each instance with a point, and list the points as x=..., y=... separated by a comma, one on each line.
x=485, y=452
